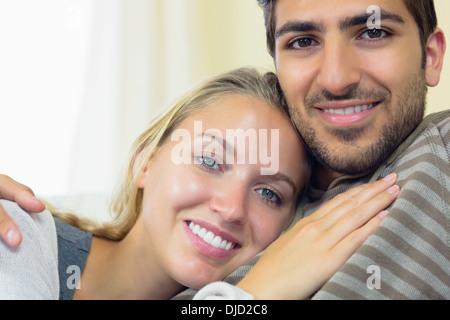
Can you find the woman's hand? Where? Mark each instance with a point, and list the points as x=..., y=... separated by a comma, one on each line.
x=304, y=258
x=24, y=196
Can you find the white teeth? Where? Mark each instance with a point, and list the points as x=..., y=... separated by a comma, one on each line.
x=196, y=228
x=209, y=237
x=349, y=110
x=202, y=233
x=216, y=242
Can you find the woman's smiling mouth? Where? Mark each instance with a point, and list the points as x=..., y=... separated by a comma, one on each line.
x=210, y=238
x=205, y=238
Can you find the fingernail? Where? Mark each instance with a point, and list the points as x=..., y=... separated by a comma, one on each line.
x=383, y=214
x=391, y=177
x=35, y=200
x=393, y=189
x=12, y=236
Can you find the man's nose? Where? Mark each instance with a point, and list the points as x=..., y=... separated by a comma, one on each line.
x=339, y=68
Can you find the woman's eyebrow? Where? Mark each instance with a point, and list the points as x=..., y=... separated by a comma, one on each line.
x=285, y=178
x=226, y=145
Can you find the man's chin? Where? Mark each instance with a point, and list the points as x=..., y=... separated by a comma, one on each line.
x=351, y=161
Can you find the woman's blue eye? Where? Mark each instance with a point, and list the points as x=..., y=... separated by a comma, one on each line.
x=269, y=195
x=209, y=162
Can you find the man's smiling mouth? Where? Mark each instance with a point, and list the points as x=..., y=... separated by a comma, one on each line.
x=350, y=110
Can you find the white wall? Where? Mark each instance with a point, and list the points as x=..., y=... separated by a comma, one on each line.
x=439, y=98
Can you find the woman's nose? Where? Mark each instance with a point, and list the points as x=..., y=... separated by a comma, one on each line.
x=230, y=201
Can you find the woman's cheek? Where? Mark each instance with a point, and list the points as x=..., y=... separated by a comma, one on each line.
x=266, y=228
x=187, y=190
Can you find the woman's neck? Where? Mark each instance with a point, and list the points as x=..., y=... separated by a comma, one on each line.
x=124, y=270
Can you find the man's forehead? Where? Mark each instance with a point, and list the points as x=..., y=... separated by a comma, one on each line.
x=328, y=12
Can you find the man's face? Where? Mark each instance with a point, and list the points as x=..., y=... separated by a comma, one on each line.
x=354, y=93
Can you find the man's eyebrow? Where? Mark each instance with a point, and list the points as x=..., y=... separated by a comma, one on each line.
x=308, y=26
x=299, y=26
x=364, y=18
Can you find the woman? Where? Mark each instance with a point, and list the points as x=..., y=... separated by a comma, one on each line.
x=198, y=201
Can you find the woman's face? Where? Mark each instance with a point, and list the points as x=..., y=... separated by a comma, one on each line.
x=221, y=190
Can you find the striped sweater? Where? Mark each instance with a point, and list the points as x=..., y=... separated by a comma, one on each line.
x=408, y=257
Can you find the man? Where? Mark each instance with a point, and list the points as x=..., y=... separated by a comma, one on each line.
x=355, y=75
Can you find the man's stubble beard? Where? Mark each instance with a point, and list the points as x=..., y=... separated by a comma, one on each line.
x=363, y=160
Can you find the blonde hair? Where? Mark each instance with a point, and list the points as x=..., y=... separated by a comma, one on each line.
x=127, y=202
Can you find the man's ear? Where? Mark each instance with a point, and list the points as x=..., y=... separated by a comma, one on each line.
x=435, y=49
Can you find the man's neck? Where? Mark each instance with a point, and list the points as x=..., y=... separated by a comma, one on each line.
x=322, y=177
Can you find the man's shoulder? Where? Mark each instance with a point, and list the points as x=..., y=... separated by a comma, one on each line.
x=444, y=128
x=433, y=132
x=440, y=120
x=30, y=271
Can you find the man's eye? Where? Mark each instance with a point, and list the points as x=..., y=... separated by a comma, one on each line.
x=375, y=34
x=301, y=43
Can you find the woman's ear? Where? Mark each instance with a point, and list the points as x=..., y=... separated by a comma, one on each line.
x=142, y=176
x=435, y=49
x=142, y=172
